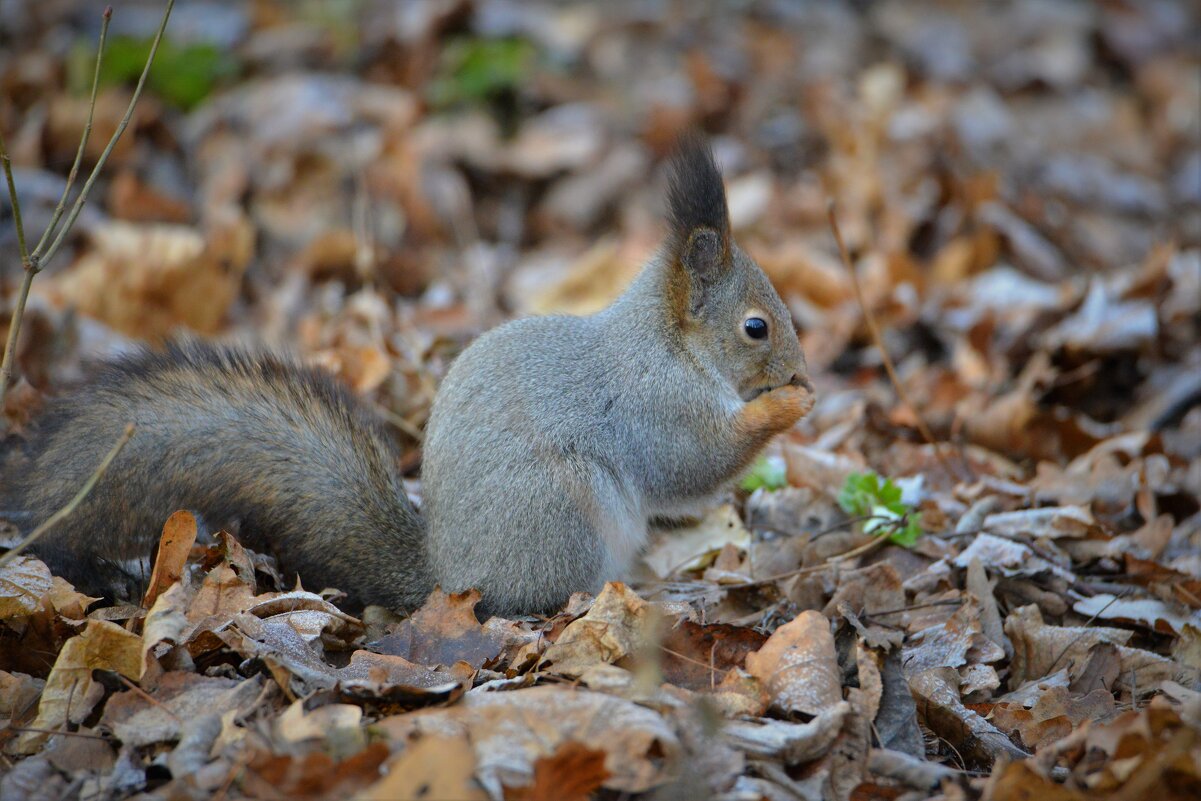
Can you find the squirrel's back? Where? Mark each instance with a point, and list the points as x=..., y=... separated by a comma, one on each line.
x=282, y=453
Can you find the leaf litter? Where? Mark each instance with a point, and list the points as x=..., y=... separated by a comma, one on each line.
x=1018, y=183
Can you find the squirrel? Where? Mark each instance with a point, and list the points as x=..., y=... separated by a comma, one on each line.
x=551, y=444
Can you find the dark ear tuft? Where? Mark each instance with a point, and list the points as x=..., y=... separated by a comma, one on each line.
x=696, y=197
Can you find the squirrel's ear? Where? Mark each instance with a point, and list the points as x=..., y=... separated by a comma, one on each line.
x=698, y=221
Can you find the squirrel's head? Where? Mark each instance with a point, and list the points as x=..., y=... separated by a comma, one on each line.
x=721, y=299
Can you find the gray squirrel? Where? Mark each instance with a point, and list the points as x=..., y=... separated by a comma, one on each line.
x=551, y=444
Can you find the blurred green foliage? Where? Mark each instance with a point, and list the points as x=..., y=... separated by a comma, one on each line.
x=482, y=72
x=769, y=473
x=182, y=75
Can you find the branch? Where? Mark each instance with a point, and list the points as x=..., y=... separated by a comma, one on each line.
x=64, y=512
x=32, y=262
x=874, y=329
x=83, y=140
x=133, y=101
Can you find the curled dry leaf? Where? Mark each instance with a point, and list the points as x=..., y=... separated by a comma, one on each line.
x=618, y=624
x=793, y=742
x=179, y=535
x=695, y=547
x=1040, y=648
x=937, y=694
x=798, y=665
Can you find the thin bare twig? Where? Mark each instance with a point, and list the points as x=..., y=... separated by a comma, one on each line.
x=1084, y=629
x=33, y=262
x=874, y=329
x=875, y=542
x=64, y=512
x=83, y=140
x=6, y=163
x=56, y=731
x=108, y=149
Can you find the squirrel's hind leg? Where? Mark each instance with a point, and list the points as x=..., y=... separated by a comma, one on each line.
x=547, y=530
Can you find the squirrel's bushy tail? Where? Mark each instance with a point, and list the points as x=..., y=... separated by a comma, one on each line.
x=282, y=453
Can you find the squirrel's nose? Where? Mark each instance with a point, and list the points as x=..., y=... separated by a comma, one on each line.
x=801, y=380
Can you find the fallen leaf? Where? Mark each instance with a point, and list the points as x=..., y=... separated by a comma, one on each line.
x=24, y=582
x=618, y=625
x=432, y=767
x=511, y=731
x=139, y=718
x=179, y=534
x=1147, y=612
x=572, y=773
x=443, y=631
x=317, y=775
x=695, y=547
x=798, y=665
x=70, y=691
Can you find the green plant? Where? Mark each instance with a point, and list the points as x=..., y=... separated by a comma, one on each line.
x=769, y=472
x=187, y=73
x=865, y=495
x=480, y=71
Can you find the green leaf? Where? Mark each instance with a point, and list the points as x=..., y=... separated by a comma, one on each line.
x=771, y=474
x=864, y=494
x=474, y=71
x=182, y=75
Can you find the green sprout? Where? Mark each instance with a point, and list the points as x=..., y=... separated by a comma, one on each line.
x=769, y=473
x=865, y=495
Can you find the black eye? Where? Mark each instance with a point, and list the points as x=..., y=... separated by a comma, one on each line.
x=755, y=327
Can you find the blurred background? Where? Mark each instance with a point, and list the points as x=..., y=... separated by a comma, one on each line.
x=372, y=184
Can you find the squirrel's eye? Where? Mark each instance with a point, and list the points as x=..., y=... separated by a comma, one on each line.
x=755, y=327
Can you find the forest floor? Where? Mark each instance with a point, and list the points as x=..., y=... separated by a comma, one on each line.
x=1010, y=611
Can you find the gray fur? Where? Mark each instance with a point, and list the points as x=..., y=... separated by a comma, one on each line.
x=282, y=453
x=554, y=439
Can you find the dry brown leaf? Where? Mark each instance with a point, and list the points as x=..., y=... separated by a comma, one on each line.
x=24, y=582
x=511, y=731
x=444, y=631
x=431, y=767
x=295, y=725
x=178, y=537
x=1040, y=648
x=699, y=657
x=70, y=691
x=140, y=717
x=695, y=547
x=1147, y=612
x=618, y=624
x=147, y=280
x=279, y=777
x=941, y=710
x=798, y=665
x=572, y=773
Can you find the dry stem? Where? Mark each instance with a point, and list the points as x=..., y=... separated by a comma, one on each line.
x=874, y=329
x=42, y=253
x=64, y=512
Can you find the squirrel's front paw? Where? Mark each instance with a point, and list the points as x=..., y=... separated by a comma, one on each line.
x=777, y=409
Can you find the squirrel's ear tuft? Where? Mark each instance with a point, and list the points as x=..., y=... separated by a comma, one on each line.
x=696, y=206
